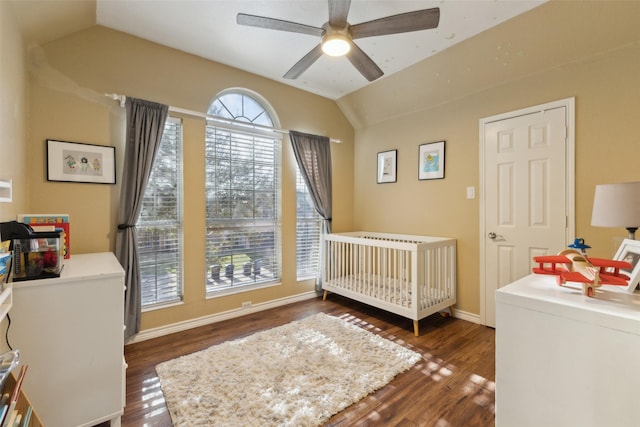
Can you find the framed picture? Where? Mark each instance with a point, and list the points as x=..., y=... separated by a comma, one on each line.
x=431, y=161
x=387, y=165
x=79, y=162
x=629, y=251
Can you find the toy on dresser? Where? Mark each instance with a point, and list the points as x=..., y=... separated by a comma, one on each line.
x=573, y=266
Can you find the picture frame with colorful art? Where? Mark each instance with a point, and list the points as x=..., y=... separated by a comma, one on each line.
x=629, y=251
x=387, y=166
x=431, y=161
x=80, y=162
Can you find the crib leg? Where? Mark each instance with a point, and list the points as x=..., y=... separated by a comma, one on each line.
x=324, y=295
x=453, y=314
x=416, y=330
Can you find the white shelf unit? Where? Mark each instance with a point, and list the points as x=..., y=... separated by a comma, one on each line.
x=70, y=332
x=6, y=299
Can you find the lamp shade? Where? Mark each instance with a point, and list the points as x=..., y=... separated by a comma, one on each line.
x=616, y=205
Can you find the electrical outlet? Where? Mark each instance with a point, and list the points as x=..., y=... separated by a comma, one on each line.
x=246, y=304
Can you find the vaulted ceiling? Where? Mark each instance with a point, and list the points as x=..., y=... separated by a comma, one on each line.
x=209, y=29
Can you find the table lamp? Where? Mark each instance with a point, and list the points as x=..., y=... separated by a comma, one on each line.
x=617, y=205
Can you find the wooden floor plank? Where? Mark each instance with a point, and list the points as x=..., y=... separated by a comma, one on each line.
x=453, y=385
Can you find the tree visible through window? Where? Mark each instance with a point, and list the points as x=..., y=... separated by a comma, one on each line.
x=159, y=227
x=242, y=196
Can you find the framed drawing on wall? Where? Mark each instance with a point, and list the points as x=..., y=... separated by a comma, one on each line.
x=431, y=161
x=387, y=165
x=79, y=162
x=629, y=251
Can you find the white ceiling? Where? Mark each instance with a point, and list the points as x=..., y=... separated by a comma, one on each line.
x=208, y=29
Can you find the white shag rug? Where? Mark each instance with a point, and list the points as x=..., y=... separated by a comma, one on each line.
x=298, y=374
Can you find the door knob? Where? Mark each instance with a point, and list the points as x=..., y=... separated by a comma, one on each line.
x=492, y=235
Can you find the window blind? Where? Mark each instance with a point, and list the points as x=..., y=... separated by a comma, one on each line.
x=308, y=226
x=242, y=213
x=159, y=227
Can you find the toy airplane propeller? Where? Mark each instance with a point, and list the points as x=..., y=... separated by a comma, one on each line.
x=572, y=266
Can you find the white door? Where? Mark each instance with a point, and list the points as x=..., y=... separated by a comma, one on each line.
x=527, y=166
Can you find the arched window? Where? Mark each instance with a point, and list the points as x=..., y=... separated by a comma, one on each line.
x=242, y=193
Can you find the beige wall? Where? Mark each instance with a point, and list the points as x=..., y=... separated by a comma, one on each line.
x=606, y=87
x=69, y=78
x=13, y=113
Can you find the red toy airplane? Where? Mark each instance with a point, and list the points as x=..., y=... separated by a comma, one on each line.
x=571, y=266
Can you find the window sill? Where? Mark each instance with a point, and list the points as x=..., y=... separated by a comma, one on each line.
x=241, y=289
x=161, y=306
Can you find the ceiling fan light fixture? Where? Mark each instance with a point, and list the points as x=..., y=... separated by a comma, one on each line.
x=335, y=44
x=337, y=35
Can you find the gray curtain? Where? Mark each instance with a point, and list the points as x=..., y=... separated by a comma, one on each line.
x=313, y=154
x=145, y=124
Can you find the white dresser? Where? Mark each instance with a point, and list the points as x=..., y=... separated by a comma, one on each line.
x=69, y=331
x=564, y=359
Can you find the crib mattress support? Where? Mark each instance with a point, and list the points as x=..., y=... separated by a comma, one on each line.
x=416, y=326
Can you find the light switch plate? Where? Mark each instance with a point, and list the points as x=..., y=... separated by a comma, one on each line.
x=471, y=192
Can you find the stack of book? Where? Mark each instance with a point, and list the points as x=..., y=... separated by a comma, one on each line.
x=11, y=416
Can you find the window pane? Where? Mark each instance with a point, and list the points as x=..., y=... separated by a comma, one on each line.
x=240, y=107
x=308, y=226
x=252, y=109
x=159, y=255
x=159, y=227
x=217, y=109
x=243, y=228
x=240, y=255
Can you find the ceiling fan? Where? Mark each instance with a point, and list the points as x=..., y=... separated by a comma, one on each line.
x=338, y=35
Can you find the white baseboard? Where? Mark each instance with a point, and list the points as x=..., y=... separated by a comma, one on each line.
x=160, y=331
x=469, y=317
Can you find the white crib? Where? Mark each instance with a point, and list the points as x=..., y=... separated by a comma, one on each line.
x=412, y=276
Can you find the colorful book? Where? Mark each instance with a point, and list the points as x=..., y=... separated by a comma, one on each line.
x=4, y=262
x=42, y=218
x=15, y=394
x=10, y=415
x=11, y=418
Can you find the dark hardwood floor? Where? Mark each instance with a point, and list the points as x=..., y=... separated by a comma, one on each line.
x=452, y=386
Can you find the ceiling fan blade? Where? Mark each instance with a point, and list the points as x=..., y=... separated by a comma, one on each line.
x=338, y=12
x=403, y=23
x=306, y=62
x=277, y=24
x=363, y=63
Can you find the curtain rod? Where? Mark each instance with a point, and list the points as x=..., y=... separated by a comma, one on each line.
x=122, y=98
